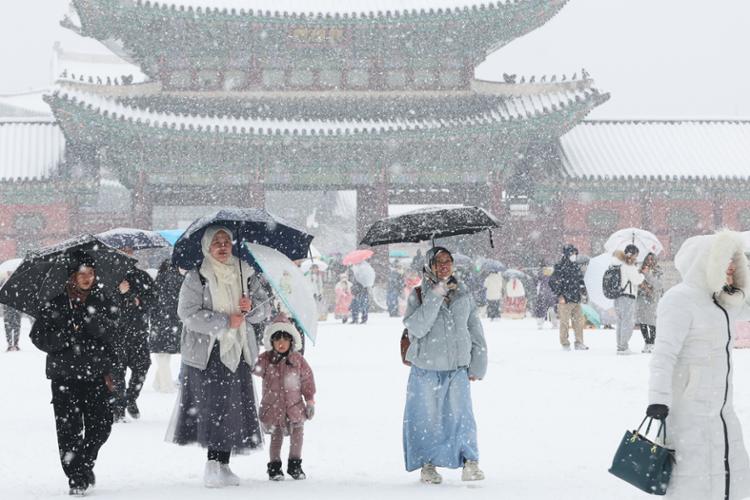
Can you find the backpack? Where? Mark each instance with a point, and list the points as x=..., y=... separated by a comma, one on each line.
x=405, y=342
x=611, y=282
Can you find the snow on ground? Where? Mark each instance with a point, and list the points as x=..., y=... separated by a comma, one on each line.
x=549, y=422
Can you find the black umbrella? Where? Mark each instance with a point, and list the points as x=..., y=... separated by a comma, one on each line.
x=428, y=224
x=135, y=239
x=251, y=225
x=43, y=273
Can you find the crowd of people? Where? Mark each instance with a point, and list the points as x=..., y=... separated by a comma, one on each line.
x=222, y=319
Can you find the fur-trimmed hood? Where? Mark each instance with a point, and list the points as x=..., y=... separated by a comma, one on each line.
x=702, y=261
x=283, y=326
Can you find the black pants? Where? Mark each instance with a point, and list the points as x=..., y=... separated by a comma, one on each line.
x=649, y=333
x=138, y=359
x=83, y=417
x=12, y=323
x=493, y=309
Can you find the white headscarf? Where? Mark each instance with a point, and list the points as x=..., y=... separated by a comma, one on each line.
x=227, y=289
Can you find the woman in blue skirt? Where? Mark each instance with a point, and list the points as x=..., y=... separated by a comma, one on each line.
x=446, y=352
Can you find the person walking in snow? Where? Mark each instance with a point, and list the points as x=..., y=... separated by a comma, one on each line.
x=166, y=326
x=288, y=395
x=216, y=401
x=567, y=284
x=343, y=292
x=544, y=305
x=649, y=293
x=12, y=324
x=77, y=329
x=447, y=350
x=135, y=297
x=691, y=369
x=493, y=283
x=630, y=280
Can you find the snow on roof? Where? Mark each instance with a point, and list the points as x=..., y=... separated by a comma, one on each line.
x=692, y=149
x=30, y=102
x=30, y=150
x=351, y=7
x=513, y=108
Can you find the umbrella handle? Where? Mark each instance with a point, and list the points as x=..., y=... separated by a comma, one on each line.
x=492, y=243
x=239, y=257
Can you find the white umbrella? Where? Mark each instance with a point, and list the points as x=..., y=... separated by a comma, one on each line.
x=308, y=263
x=9, y=266
x=290, y=285
x=646, y=241
x=593, y=280
x=364, y=274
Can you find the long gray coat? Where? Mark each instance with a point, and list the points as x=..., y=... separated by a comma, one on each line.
x=202, y=325
x=645, y=303
x=445, y=337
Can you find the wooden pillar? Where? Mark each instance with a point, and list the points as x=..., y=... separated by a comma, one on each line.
x=372, y=204
x=254, y=192
x=496, y=205
x=718, y=196
x=143, y=203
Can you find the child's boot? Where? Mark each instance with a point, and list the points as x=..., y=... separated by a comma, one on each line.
x=274, y=471
x=294, y=468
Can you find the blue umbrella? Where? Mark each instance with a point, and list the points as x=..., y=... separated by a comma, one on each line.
x=135, y=239
x=591, y=315
x=249, y=225
x=171, y=235
x=398, y=254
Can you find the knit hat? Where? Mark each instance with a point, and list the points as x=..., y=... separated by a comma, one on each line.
x=281, y=323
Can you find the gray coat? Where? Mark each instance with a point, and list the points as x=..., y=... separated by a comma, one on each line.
x=201, y=324
x=445, y=337
x=646, y=302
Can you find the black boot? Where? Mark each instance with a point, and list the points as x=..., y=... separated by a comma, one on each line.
x=274, y=471
x=294, y=468
x=133, y=410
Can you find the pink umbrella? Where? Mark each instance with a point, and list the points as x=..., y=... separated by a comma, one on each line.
x=357, y=256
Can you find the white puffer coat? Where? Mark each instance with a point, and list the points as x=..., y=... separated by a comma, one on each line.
x=691, y=370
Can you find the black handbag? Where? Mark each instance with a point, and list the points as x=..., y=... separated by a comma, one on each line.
x=642, y=462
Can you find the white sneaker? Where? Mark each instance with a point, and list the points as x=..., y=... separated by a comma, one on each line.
x=471, y=471
x=648, y=348
x=566, y=347
x=624, y=352
x=430, y=475
x=212, y=477
x=227, y=476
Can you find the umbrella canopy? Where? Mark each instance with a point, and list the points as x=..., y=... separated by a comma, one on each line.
x=251, y=225
x=364, y=274
x=135, y=239
x=398, y=254
x=514, y=273
x=463, y=261
x=492, y=266
x=646, y=241
x=171, y=235
x=428, y=224
x=290, y=286
x=9, y=266
x=357, y=256
x=591, y=315
x=43, y=273
x=593, y=280
x=308, y=263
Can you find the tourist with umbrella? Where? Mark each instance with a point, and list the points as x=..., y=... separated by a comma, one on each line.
x=76, y=323
x=220, y=300
x=136, y=297
x=166, y=326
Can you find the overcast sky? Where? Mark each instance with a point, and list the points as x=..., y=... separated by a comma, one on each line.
x=658, y=58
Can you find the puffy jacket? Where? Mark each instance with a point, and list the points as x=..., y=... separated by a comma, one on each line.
x=445, y=336
x=284, y=385
x=630, y=276
x=79, y=341
x=567, y=281
x=691, y=371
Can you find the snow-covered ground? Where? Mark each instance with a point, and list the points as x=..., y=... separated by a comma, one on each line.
x=549, y=422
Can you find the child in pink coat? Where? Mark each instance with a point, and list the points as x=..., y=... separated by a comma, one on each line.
x=288, y=392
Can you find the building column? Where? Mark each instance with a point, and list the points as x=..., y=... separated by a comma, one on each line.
x=372, y=205
x=496, y=206
x=254, y=192
x=143, y=203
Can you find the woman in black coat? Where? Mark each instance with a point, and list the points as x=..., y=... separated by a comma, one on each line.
x=76, y=329
x=166, y=326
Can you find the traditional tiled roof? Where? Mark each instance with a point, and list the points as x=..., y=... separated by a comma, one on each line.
x=652, y=149
x=30, y=150
x=339, y=8
x=512, y=108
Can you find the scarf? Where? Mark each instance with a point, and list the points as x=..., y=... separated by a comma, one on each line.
x=226, y=291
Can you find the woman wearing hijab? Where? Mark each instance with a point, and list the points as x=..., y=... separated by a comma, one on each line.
x=216, y=405
x=447, y=350
x=77, y=331
x=691, y=369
